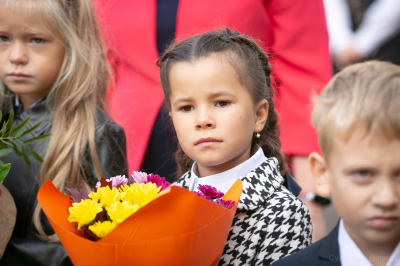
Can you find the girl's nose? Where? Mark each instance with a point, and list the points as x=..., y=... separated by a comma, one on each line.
x=205, y=120
x=18, y=54
x=387, y=195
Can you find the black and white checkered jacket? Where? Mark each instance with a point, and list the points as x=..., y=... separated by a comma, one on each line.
x=270, y=222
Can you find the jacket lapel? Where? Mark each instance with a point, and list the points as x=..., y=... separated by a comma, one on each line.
x=260, y=184
x=329, y=253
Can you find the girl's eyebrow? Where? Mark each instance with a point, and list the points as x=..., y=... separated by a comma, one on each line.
x=181, y=100
x=213, y=95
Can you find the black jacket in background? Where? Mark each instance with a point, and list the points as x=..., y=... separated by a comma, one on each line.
x=25, y=248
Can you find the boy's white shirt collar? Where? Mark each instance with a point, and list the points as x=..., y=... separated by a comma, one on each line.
x=351, y=255
x=223, y=181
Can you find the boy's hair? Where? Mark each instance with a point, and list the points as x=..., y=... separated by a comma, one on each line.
x=363, y=98
x=253, y=69
x=77, y=92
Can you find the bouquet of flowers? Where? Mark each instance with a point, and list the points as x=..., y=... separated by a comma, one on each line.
x=115, y=199
x=141, y=220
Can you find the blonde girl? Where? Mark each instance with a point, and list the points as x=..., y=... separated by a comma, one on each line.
x=53, y=67
x=218, y=88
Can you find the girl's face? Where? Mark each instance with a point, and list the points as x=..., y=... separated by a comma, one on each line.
x=30, y=55
x=213, y=114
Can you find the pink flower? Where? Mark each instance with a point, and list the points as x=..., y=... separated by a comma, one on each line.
x=139, y=177
x=210, y=191
x=118, y=180
x=159, y=181
x=226, y=203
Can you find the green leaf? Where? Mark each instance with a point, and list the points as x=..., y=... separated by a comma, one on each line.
x=19, y=134
x=1, y=115
x=25, y=155
x=4, y=169
x=1, y=163
x=2, y=145
x=22, y=125
x=10, y=119
x=38, y=138
x=4, y=152
x=15, y=148
x=3, y=129
x=35, y=155
x=9, y=133
x=31, y=129
x=7, y=143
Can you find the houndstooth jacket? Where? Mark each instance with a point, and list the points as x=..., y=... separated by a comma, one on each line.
x=270, y=222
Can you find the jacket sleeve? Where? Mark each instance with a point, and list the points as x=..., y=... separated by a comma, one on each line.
x=301, y=65
x=289, y=230
x=34, y=253
x=111, y=149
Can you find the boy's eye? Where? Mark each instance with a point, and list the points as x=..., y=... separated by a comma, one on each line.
x=222, y=103
x=186, y=108
x=4, y=39
x=37, y=40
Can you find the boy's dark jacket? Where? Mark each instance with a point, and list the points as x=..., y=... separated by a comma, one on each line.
x=25, y=248
x=325, y=252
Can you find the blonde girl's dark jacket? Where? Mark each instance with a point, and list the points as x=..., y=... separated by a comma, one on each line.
x=270, y=222
x=25, y=248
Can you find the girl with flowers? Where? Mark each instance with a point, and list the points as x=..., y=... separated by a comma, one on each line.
x=53, y=67
x=217, y=86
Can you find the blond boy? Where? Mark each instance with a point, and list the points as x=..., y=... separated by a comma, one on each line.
x=357, y=118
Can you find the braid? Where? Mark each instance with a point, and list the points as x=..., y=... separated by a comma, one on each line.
x=254, y=72
x=269, y=136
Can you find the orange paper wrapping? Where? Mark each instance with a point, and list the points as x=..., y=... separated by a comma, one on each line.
x=176, y=228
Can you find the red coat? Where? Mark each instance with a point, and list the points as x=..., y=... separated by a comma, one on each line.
x=294, y=31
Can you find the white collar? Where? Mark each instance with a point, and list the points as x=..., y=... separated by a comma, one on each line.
x=351, y=255
x=223, y=181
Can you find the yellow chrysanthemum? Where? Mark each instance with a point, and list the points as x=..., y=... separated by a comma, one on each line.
x=140, y=193
x=84, y=212
x=106, y=195
x=119, y=211
x=101, y=229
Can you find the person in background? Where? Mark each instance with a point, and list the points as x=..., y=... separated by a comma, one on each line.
x=363, y=29
x=357, y=119
x=293, y=32
x=53, y=68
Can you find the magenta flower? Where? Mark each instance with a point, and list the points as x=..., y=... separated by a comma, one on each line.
x=201, y=195
x=139, y=177
x=159, y=181
x=210, y=191
x=226, y=203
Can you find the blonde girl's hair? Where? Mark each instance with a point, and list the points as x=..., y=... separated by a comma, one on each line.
x=77, y=92
x=254, y=71
x=363, y=98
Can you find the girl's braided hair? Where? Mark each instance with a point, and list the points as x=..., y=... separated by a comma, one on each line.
x=254, y=71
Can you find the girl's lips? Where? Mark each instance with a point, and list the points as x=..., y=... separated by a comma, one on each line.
x=207, y=142
x=19, y=76
x=382, y=222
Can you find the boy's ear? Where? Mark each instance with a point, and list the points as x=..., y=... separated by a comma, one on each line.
x=319, y=170
x=261, y=115
x=170, y=115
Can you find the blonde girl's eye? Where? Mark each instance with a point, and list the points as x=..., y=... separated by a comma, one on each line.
x=4, y=39
x=363, y=174
x=37, y=40
x=222, y=103
x=186, y=108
